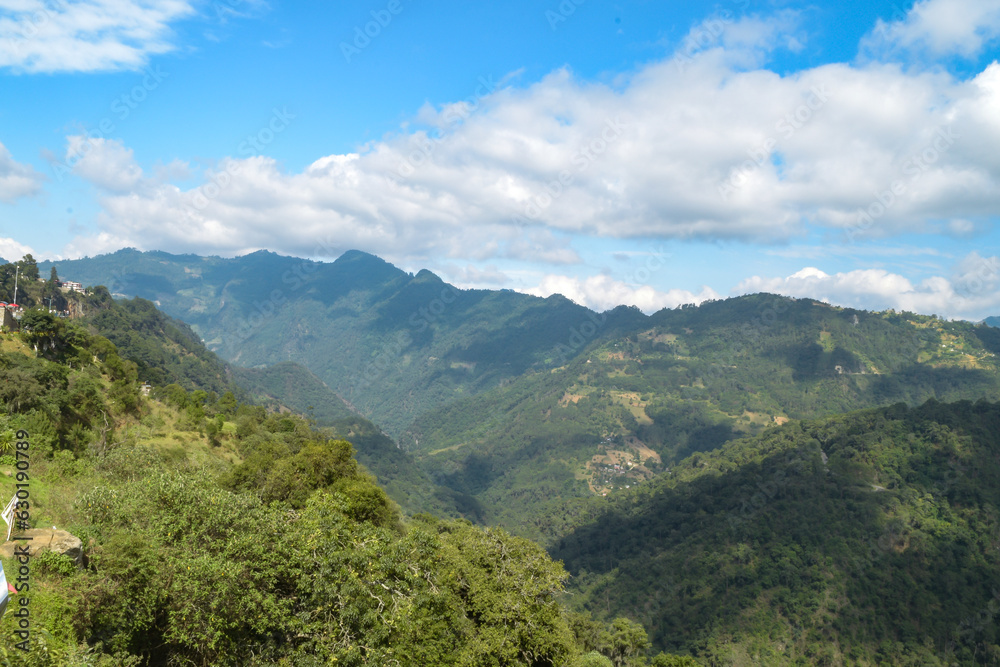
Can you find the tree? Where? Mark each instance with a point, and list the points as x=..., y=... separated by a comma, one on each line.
x=50, y=336
x=626, y=641
x=595, y=659
x=508, y=587
x=175, y=395
x=227, y=403
x=52, y=296
x=29, y=268
x=586, y=631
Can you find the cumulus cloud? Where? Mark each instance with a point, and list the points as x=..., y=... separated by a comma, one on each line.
x=106, y=163
x=939, y=28
x=12, y=251
x=85, y=35
x=706, y=150
x=16, y=180
x=602, y=293
x=972, y=291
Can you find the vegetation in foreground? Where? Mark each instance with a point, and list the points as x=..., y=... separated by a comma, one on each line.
x=217, y=532
x=867, y=538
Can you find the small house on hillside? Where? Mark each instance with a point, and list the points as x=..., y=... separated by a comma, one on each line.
x=70, y=286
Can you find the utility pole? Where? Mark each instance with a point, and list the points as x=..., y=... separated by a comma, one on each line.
x=17, y=272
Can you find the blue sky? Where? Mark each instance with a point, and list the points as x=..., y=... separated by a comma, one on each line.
x=637, y=152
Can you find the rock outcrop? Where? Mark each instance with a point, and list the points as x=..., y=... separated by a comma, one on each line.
x=47, y=539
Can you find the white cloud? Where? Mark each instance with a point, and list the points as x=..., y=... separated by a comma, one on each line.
x=938, y=28
x=709, y=150
x=602, y=293
x=16, y=180
x=12, y=251
x=104, y=162
x=972, y=291
x=874, y=252
x=86, y=35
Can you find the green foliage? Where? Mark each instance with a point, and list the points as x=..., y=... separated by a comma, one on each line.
x=8, y=433
x=163, y=350
x=292, y=555
x=625, y=642
x=864, y=539
x=51, y=336
x=293, y=386
x=509, y=586
x=870, y=537
x=26, y=282
x=183, y=563
x=668, y=660
x=595, y=659
x=685, y=381
x=64, y=397
x=49, y=562
x=182, y=570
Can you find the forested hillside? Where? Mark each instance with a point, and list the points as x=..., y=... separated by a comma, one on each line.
x=290, y=386
x=218, y=533
x=359, y=323
x=693, y=469
x=632, y=405
x=871, y=538
x=165, y=350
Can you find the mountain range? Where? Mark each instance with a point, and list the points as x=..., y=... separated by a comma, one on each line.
x=757, y=479
x=358, y=323
x=523, y=408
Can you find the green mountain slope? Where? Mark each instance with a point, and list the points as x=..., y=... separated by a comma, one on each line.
x=292, y=386
x=992, y=321
x=262, y=543
x=688, y=380
x=358, y=323
x=165, y=350
x=870, y=538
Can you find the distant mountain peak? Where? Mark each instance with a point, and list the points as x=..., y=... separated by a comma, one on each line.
x=359, y=256
x=260, y=253
x=427, y=276
x=125, y=251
